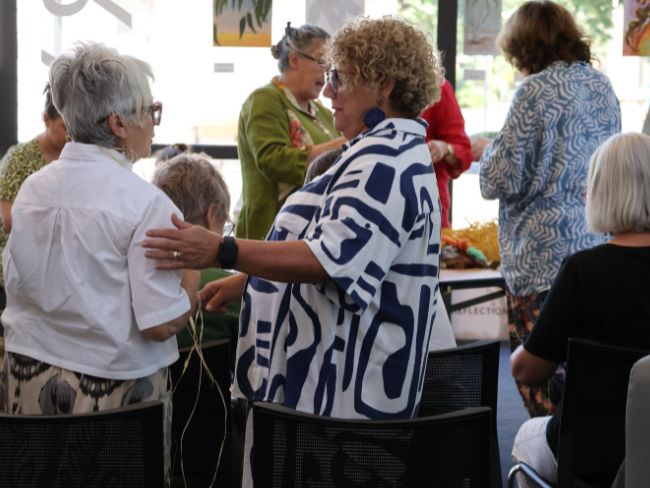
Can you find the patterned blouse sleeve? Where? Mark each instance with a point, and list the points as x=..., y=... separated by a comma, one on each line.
x=364, y=223
x=506, y=163
x=9, y=183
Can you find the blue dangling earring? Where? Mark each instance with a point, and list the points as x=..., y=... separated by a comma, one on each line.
x=374, y=116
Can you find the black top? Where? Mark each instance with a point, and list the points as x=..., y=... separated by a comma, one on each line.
x=602, y=294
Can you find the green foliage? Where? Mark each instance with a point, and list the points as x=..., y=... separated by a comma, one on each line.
x=254, y=16
x=423, y=13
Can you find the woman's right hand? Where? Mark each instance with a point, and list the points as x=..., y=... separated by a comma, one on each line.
x=185, y=246
x=218, y=294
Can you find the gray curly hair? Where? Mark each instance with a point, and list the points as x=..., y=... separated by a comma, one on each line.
x=375, y=52
x=193, y=184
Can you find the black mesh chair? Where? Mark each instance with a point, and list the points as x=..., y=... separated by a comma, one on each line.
x=113, y=448
x=461, y=377
x=592, y=426
x=293, y=449
x=196, y=445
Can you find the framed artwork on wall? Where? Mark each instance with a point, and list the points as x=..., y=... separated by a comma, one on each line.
x=242, y=23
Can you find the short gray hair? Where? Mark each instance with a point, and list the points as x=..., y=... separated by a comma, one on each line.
x=94, y=81
x=193, y=184
x=618, y=185
x=296, y=40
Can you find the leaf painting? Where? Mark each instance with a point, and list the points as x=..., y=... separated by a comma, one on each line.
x=242, y=22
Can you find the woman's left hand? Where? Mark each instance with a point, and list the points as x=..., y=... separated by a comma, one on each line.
x=186, y=246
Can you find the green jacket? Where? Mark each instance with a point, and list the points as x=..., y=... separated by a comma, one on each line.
x=272, y=139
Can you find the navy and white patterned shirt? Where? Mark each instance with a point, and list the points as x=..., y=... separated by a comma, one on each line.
x=537, y=168
x=354, y=346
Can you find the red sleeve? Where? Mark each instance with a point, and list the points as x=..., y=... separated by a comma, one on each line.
x=446, y=123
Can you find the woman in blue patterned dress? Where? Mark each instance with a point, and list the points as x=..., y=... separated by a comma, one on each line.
x=339, y=302
x=537, y=165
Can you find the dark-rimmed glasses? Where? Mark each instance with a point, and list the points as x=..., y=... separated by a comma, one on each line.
x=155, y=110
x=333, y=79
x=319, y=62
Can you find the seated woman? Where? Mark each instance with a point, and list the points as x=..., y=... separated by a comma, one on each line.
x=197, y=188
x=90, y=323
x=600, y=293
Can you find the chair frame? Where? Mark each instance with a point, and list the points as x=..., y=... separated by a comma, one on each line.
x=490, y=350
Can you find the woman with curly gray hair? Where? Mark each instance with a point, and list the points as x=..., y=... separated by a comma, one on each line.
x=339, y=301
x=75, y=276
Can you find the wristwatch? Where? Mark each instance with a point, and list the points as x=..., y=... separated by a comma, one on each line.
x=227, y=253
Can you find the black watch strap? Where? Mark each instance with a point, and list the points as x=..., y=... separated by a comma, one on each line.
x=227, y=253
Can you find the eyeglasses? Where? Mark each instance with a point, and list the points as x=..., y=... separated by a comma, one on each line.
x=155, y=110
x=319, y=62
x=333, y=79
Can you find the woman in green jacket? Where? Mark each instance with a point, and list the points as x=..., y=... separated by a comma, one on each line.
x=282, y=128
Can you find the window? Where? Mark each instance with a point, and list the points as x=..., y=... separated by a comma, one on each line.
x=485, y=84
x=202, y=86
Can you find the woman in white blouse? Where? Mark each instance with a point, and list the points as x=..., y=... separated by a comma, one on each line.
x=90, y=323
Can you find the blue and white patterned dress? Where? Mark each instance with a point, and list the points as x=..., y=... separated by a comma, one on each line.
x=537, y=168
x=354, y=346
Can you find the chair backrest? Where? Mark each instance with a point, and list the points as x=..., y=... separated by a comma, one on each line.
x=293, y=449
x=637, y=426
x=197, y=400
x=121, y=447
x=592, y=425
x=462, y=377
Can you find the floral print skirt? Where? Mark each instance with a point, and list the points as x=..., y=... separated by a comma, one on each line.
x=522, y=314
x=32, y=387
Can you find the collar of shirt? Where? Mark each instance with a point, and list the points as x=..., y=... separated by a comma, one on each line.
x=417, y=127
x=91, y=153
x=292, y=99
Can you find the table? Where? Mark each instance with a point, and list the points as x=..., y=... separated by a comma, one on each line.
x=462, y=279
